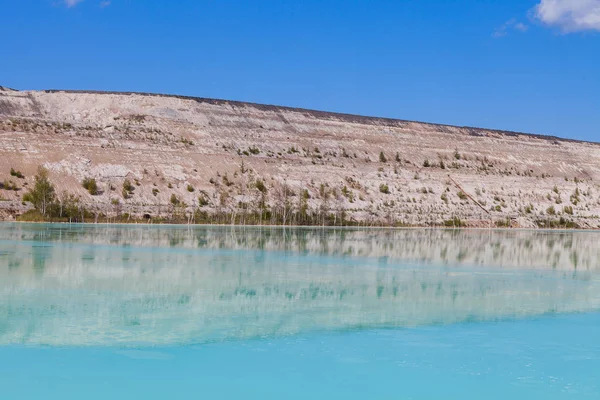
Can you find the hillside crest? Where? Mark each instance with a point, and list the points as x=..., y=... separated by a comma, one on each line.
x=190, y=159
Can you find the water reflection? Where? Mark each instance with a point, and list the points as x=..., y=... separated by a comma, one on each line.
x=140, y=285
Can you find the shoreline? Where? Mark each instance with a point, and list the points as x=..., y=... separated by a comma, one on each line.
x=326, y=227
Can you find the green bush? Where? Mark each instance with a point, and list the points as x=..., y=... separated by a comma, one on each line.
x=127, y=189
x=454, y=222
x=90, y=185
x=31, y=216
x=260, y=186
x=128, y=186
x=347, y=193
x=203, y=200
x=17, y=174
x=503, y=223
x=253, y=150
x=9, y=185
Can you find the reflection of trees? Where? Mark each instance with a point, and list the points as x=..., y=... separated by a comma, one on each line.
x=39, y=252
x=217, y=283
x=39, y=255
x=531, y=249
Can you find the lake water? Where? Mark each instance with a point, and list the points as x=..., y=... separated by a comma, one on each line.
x=157, y=312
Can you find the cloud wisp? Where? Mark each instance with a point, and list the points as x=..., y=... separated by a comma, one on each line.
x=569, y=15
x=510, y=25
x=72, y=3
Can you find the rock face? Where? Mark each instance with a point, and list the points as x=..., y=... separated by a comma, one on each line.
x=234, y=158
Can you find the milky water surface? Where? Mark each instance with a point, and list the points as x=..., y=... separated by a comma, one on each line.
x=381, y=312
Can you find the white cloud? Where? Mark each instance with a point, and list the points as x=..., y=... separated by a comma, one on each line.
x=72, y=3
x=570, y=15
x=511, y=24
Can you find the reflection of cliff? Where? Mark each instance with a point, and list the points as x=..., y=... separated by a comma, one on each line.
x=74, y=287
x=561, y=250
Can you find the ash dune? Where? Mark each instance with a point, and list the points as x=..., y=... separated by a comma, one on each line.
x=291, y=166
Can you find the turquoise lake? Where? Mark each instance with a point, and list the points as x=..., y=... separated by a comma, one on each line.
x=161, y=312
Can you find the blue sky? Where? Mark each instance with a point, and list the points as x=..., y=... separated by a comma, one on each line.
x=524, y=65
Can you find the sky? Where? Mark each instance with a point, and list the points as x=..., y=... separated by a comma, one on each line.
x=522, y=65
